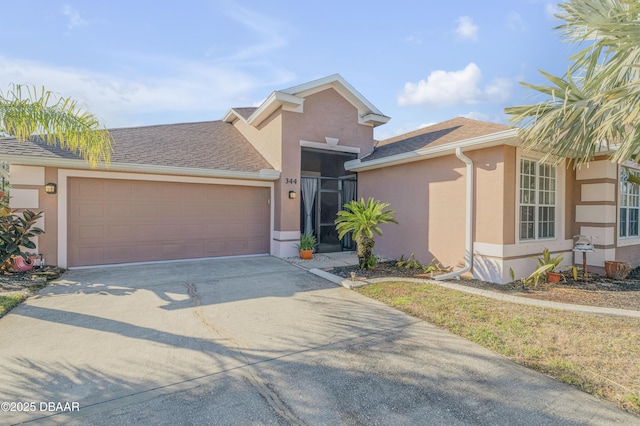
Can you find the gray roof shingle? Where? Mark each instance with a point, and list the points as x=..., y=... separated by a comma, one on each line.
x=245, y=112
x=212, y=145
x=450, y=131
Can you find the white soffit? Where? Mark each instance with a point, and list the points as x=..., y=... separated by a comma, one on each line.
x=327, y=147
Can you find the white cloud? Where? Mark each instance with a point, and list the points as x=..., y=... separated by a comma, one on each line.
x=498, y=91
x=551, y=9
x=448, y=88
x=466, y=28
x=492, y=118
x=75, y=20
x=516, y=22
x=267, y=29
x=475, y=115
x=187, y=88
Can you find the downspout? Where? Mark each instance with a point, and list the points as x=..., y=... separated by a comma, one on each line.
x=468, y=253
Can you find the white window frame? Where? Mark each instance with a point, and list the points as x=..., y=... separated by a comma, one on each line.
x=559, y=202
x=627, y=238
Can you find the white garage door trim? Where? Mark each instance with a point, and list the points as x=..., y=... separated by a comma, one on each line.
x=64, y=174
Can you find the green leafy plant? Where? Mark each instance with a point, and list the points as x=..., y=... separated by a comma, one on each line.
x=363, y=219
x=372, y=262
x=16, y=229
x=409, y=263
x=412, y=263
x=546, y=264
x=307, y=241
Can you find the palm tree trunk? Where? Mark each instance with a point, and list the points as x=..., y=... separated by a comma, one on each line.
x=365, y=250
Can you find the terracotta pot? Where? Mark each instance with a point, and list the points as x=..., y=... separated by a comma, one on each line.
x=616, y=270
x=21, y=265
x=553, y=277
x=306, y=254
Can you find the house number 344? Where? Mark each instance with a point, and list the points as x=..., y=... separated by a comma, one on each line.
x=291, y=181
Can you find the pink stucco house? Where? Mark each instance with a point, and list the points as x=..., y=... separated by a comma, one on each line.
x=463, y=190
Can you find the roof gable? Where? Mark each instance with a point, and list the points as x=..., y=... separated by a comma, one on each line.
x=292, y=99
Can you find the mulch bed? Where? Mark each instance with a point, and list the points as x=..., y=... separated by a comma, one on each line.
x=598, y=291
x=29, y=281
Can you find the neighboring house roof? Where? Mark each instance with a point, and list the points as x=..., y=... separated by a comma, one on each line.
x=210, y=145
x=292, y=99
x=435, y=140
x=245, y=112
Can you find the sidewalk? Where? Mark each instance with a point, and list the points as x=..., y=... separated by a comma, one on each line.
x=323, y=261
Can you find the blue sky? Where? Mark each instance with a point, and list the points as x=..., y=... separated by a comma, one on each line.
x=152, y=62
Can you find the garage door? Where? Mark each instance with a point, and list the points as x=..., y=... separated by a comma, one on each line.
x=119, y=221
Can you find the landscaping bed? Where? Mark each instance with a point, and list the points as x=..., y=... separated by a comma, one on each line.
x=16, y=286
x=598, y=291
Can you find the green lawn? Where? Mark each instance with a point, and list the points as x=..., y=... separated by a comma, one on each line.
x=598, y=354
x=8, y=302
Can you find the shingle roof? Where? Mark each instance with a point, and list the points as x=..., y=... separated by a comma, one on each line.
x=212, y=145
x=454, y=130
x=245, y=112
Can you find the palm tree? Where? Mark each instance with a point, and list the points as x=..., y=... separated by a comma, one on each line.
x=363, y=219
x=595, y=106
x=26, y=111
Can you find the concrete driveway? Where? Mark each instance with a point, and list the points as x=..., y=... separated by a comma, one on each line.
x=255, y=341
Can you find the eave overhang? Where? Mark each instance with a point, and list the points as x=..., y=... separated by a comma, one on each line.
x=66, y=163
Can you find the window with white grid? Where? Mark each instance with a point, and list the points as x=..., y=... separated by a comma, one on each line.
x=629, y=208
x=537, y=200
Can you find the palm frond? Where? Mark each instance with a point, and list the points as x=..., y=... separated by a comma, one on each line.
x=26, y=112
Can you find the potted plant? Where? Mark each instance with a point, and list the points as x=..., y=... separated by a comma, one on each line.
x=617, y=270
x=548, y=265
x=306, y=246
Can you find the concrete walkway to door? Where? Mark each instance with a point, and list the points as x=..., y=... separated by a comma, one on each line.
x=256, y=340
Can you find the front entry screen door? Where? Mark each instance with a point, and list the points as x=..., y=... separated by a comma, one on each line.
x=326, y=186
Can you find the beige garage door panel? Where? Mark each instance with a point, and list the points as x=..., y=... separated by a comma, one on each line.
x=117, y=221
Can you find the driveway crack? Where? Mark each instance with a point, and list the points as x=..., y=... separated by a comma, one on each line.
x=252, y=377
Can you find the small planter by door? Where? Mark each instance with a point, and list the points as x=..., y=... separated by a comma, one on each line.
x=21, y=265
x=617, y=270
x=306, y=254
x=553, y=277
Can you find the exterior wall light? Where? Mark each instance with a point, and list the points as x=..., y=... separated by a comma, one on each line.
x=51, y=188
x=292, y=194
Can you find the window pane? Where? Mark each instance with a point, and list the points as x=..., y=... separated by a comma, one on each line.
x=623, y=222
x=633, y=222
x=546, y=222
x=527, y=222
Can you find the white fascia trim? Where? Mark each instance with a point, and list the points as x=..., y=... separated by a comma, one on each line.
x=231, y=116
x=334, y=80
x=327, y=147
x=64, y=174
x=375, y=119
x=485, y=141
x=264, y=174
x=271, y=104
